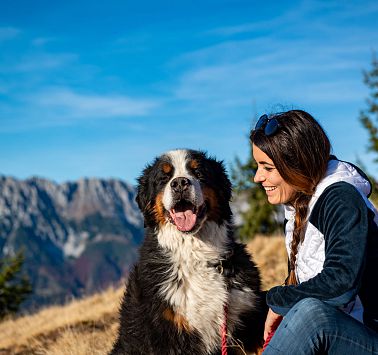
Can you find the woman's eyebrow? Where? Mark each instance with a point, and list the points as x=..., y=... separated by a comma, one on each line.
x=265, y=163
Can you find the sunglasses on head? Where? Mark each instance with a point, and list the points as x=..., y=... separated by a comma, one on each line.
x=269, y=124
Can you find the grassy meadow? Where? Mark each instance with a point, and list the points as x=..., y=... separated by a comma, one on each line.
x=88, y=326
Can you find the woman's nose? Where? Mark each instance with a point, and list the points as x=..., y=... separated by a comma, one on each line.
x=259, y=177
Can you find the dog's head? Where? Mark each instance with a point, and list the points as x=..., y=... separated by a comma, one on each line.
x=185, y=188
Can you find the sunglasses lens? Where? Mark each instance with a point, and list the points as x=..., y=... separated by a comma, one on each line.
x=262, y=120
x=271, y=127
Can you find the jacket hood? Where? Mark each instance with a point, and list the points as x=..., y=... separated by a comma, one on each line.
x=342, y=171
x=338, y=171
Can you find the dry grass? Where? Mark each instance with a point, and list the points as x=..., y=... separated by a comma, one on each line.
x=270, y=255
x=74, y=327
x=88, y=326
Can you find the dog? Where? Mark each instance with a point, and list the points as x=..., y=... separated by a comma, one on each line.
x=192, y=279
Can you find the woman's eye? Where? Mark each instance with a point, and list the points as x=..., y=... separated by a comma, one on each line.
x=268, y=169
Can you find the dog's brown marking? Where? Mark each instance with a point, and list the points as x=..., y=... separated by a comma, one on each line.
x=167, y=168
x=159, y=209
x=193, y=164
x=178, y=320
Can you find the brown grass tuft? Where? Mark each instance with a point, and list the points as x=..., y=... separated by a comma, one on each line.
x=37, y=333
x=269, y=253
x=88, y=326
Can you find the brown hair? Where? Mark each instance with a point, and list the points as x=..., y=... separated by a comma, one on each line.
x=300, y=150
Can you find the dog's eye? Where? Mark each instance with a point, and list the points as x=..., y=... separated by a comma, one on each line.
x=197, y=174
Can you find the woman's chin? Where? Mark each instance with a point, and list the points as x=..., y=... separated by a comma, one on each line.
x=273, y=201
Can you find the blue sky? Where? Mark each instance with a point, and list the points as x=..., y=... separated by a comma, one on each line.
x=98, y=89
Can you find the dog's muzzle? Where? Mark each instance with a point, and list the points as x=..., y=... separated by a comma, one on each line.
x=185, y=214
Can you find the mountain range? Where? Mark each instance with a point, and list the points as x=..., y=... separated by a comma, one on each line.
x=76, y=237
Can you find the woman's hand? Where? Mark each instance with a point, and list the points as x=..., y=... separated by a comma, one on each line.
x=271, y=323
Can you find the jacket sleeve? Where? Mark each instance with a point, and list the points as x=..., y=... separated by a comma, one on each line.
x=341, y=215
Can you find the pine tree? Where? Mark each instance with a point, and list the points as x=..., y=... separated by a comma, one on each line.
x=369, y=116
x=260, y=216
x=14, y=287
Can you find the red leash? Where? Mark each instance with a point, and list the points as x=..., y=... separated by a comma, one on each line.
x=224, y=332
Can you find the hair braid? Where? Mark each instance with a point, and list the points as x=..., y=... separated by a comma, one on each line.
x=301, y=208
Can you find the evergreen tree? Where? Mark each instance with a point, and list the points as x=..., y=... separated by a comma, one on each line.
x=14, y=287
x=369, y=116
x=260, y=216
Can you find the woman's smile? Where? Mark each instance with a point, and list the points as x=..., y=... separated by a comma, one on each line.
x=276, y=188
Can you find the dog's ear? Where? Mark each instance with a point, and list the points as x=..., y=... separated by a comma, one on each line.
x=146, y=191
x=143, y=196
x=223, y=182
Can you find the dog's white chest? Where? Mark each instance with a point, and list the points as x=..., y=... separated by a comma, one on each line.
x=193, y=289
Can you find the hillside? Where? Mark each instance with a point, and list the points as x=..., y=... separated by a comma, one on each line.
x=88, y=326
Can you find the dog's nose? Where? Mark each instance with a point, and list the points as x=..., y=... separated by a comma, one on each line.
x=180, y=184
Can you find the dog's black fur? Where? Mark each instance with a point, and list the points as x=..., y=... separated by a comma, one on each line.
x=163, y=302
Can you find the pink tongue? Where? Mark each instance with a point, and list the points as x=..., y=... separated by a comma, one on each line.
x=184, y=221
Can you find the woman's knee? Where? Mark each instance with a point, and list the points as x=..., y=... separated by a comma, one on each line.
x=310, y=311
x=310, y=305
x=301, y=327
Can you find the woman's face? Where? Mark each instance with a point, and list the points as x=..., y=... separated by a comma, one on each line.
x=276, y=188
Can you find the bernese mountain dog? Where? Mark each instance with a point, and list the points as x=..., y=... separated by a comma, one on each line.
x=192, y=279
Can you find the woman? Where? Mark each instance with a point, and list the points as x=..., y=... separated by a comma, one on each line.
x=329, y=302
